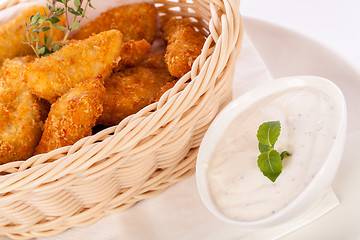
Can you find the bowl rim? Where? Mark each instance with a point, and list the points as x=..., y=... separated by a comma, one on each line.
x=322, y=179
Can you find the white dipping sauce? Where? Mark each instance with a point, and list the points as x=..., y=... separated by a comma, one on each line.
x=309, y=122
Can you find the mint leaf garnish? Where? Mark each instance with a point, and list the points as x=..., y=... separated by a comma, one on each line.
x=270, y=164
x=269, y=133
x=270, y=161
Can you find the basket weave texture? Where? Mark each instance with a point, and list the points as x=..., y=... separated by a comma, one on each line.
x=137, y=159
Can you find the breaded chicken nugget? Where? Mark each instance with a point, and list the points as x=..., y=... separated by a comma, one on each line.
x=184, y=45
x=129, y=91
x=73, y=115
x=135, y=21
x=50, y=77
x=13, y=34
x=20, y=128
x=133, y=53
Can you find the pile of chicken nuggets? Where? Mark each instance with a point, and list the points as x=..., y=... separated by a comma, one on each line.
x=106, y=72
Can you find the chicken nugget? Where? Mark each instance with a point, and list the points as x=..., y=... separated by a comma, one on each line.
x=20, y=128
x=133, y=53
x=13, y=34
x=135, y=21
x=129, y=91
x=51, y=76
x=73, y=115
x=184, y=45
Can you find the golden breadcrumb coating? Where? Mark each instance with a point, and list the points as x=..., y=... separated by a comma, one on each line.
x=166, y=87
x=184, y=45
x=50, y=77
x=129, y=91
x=73, y=115
x=133, y=53
x=155, y=60
x=20, y=128
x=13, y=34
x=172, y=25
x=135, y=21
x=12, y=68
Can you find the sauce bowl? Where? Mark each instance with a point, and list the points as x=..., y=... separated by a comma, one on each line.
x=314, y=189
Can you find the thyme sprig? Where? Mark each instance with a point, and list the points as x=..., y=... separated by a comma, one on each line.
x=48, y=22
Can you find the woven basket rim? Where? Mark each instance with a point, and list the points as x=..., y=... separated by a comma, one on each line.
x=21, y=169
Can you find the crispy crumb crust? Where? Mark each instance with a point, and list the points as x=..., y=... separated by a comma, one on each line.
x=172, y=25
x=20, y=128
x=136, y=22
x=50, y=77
x=131, y=90
x=184, y=45
x=73, y=115
x=155, y=60
x=166, y=87
x=133, y=53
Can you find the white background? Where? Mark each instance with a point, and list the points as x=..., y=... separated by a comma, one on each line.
x=333, y=23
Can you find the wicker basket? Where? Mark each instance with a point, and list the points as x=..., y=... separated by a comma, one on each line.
x=142, y=156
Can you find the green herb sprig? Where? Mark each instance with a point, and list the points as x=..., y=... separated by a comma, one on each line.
x=37, y=22
x=270, y=160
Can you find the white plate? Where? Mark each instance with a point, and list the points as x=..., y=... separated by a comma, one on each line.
x=287, y=53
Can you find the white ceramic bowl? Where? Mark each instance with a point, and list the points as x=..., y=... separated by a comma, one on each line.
x=322, y=180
